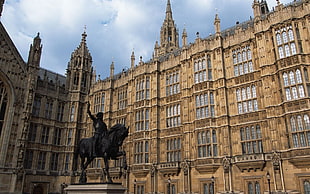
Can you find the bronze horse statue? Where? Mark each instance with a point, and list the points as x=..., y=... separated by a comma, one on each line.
x=107, y=148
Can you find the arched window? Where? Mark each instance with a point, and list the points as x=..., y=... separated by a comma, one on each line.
x=257, y=188
x=3, y=104
x=249, y=55
x=285, y=79
x=209, y=68
x=307, y=122
x=293, y=48
x=248, y=90
x=279, y=40
x=292, y=78
x=290, y=34
x=239, y=58
x=293, y=124
x=284, y=36
x=253, y=91
x=298, y=76
x=243, y=94
x=307, y=187
x=281, y=53
x=287, y=50
x=238, y=95
x=250, y=188
x=299, y=123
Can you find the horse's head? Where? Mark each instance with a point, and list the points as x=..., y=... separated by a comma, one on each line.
x=121, y=132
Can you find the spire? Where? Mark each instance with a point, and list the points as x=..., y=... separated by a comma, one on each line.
x=168, y=11
x=169, y=35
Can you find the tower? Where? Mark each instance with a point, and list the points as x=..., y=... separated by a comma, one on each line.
x=169, y=35
x=79, y=77
x=35, y=52
x=260, y=8
x=80, y=69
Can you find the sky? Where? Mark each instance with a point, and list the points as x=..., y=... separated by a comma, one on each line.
x=114, y=28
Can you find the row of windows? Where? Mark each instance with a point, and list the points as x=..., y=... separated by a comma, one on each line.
x=207, y=144
x=142, y=120
x=205, y=106
x=141, y=152
x=201, y=69
x=174, y=150
x=99, y=101
x=48, y=109
x=293, y=84
x=42, y=158
x=122, y=99
x=300, y=128
x=247, y=99
x=172, y=83
x=242, y=60
x=45, y=134
x=143, y=89
x=251, y=140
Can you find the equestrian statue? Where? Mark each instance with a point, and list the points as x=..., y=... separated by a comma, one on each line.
x=105, y=143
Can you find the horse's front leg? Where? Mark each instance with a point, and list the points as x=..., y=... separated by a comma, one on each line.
x=106, y=163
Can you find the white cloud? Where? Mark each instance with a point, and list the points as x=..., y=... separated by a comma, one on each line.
x=114, y=27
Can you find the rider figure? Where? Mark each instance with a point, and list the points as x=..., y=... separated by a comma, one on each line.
x=100, y=128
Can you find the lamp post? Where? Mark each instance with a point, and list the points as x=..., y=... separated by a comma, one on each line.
x=268, y=179
x=134, y=186
x=212, y=179
x=169, y=182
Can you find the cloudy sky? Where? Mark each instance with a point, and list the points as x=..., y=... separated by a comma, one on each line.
x=114, y=27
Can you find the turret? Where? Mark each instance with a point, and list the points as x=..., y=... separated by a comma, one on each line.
x=133, y=59
x=217, y=25
x=35, y=52
x=184, y=38
x=112, y=70
x=260, y=8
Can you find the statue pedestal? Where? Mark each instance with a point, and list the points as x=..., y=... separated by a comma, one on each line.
x=102, y=188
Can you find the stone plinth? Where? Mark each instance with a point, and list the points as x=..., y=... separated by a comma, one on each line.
x=102, y=188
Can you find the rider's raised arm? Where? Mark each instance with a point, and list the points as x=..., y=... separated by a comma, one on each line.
x=89, y=113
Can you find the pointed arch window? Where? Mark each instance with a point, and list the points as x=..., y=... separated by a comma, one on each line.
x=307, y=187
x=242, y=60
x=300, y=131
x=246, y=99
x=286, y=42
x=207, y=144
x=209, y=68
x=201, y=66
x=294, y=86
x=253, y=188
x=3, y=104
x=251, y=139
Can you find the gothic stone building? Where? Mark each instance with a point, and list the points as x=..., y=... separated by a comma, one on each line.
x=228, y=113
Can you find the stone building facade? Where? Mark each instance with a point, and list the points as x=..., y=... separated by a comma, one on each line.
x=228, y=113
